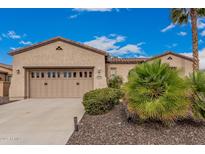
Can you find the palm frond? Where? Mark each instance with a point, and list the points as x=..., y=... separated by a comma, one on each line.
x=180, y=15
x=155, y=91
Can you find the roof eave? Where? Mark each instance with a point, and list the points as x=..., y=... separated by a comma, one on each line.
x=18, y=51
x=169, y=52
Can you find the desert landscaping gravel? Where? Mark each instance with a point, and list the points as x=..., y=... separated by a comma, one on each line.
x=113, y=128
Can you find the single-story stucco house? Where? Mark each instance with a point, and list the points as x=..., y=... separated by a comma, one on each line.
x=61, y=68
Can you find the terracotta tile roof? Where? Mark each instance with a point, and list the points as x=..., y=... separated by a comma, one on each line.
x=6, y=66
x=17, y=51
x=126, y=60
x=140, y=60
x=172, y=53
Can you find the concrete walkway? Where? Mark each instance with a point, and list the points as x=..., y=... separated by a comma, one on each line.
x=39, y=121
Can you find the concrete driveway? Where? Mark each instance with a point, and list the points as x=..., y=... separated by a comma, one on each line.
x=39, y=121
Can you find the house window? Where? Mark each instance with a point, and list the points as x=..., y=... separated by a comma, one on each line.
x=9, y=78
x=113, y=71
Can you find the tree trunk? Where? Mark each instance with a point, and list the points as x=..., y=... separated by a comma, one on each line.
x=193, y=14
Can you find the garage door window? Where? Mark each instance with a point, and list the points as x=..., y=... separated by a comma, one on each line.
x=42, y=74
x=37, y=75
x=85, y=74
x=74, y=74
x=49, y=74
x=67, y=74
x=53, y=74
x=58, y=74
x=90, y=74
x=81, y=74
x=32, y=75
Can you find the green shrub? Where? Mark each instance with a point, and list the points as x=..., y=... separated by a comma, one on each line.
x=115, y=82
x=197, y=82
x=155, y=91
x=100, y=101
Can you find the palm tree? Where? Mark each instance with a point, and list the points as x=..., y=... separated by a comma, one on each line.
x=181, y=16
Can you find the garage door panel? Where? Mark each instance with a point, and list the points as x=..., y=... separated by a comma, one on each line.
x=60, y=83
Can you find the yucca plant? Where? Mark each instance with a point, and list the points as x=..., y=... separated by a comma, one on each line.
x=197, y=82
x=155, y=91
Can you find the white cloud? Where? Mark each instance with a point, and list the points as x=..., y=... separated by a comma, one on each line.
x=202, y=33
x=25, y=42
x=110, y=44
x=73, y=16
x=14, y=48
x=171, y=26
x=106, y=43
x=12, y=35
x=201, y=41
x=182, y=33
x=79, y=10
x=200, y=23
x=201, y=58
x=172, y=45
x=93, y=9
x=127, y=49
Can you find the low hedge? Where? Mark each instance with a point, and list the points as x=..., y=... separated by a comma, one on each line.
x=100, y=101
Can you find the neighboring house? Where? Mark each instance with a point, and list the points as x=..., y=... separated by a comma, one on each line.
x=59, y=68
x=5, y=72
x=5, y=77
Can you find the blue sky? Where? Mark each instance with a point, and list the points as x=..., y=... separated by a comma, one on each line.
x=121, y=32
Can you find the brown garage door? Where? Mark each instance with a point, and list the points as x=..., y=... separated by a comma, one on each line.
x=60, y=83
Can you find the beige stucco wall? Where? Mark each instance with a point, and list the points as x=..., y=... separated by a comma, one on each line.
x=4, y=88
x=183, y=65
x=48, y=56
x=121, y=70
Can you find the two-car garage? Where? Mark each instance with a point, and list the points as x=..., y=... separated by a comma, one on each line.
x=59, y=83
x=57, y=68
